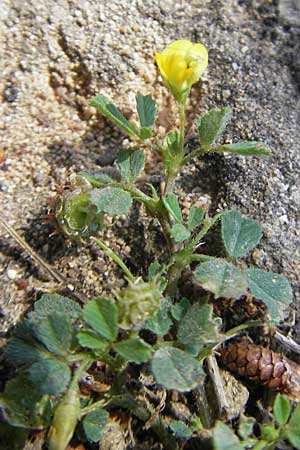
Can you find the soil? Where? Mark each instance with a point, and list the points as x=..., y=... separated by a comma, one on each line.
x=57, y=55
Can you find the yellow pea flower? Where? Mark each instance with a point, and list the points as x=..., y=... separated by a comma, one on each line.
x=181, y=64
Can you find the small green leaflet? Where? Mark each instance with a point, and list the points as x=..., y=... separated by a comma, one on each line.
x=146, y=108
x=244, y=148
x=221, y=278
x=101, y=315
x=172, y=205
x=94, y=424
x=281, y=409
x=134, y=350
x=54, y=331
x=23, y=348
x=293, y=435
x=49, y=303
x=179, y=309
x=111, y=200
x=180, y=429
x=295, y=417
x=130, y=163
x=23, y=406
x=161, y=322
x=224, y=438
x=109, y=110
x=212, y=124
x=197, y=327
x=271, y=288
x=175, y=369
x=195, y=217
x=179, y=232
x=90, y=339
x=239, y=234
x=50, y=376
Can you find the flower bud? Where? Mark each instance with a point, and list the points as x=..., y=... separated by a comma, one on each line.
x=137, y=302
x=181, y=64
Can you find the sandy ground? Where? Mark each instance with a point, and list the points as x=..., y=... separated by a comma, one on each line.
x=57, y=54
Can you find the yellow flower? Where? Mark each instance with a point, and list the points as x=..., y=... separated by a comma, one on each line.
x=181, y=64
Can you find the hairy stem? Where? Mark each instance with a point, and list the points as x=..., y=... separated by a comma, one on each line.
x=112, y=255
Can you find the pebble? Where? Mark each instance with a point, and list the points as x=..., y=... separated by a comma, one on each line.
x=12, y=274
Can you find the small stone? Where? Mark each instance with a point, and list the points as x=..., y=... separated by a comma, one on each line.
x=11, y=274
x=226, y=93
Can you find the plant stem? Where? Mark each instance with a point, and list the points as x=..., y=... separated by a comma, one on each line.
x=92, y=407
x=112, y=255
x=181, y=107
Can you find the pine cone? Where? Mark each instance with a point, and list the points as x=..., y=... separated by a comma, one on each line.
x=261, y=364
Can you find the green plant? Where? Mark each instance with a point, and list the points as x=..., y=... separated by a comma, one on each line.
x=284, y=426
x=60, y=342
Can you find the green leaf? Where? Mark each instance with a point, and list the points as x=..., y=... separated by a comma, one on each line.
x=180, y=429
x=244, y=148
x=179, y=232
x=109, y=110
x=94, y=424
x=172, y=205
x=212, y=124
x=271, y=288
x=293, y=435
x=134, y=350
x=239, y=234
x=49, y=303
x=281, y=409
x=295, y=417
x=180, y=308
x=111, y=200
x=101, y=315
x=176, y=369
x=146, y=108
x=130, y=163
x=224, y=438
x=50, y=376
x=55, y=332
x=197, y=327
x=23, y=348
x=221, y=278
x=246, y=425
x=161, y=322
x=195, y=217
x=269, y=432
x=23, y=406
x=90, y=339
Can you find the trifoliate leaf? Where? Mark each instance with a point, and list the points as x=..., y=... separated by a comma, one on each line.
x=23, y=406
x=109, y=110
x=134, y=350
x=55, y=332
x=161, y=322
x=50, y=376
x=239, y=234
x=23, y=348
x=212, y=124
x=91, y=339
x=281, y=409
x=195, y=217
x=49, y=303
x=101, y=315
x=244, y=148
x=130, y=163
x=172, y=205
x=224, y=438
x=113, y=201
x=179, y=309
x=180, y=429
x=146, y=108
x=197, y=327
x=176, y=369
x=271, y=288
x=179, y=232
x=221, y=278
x=94, y=424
